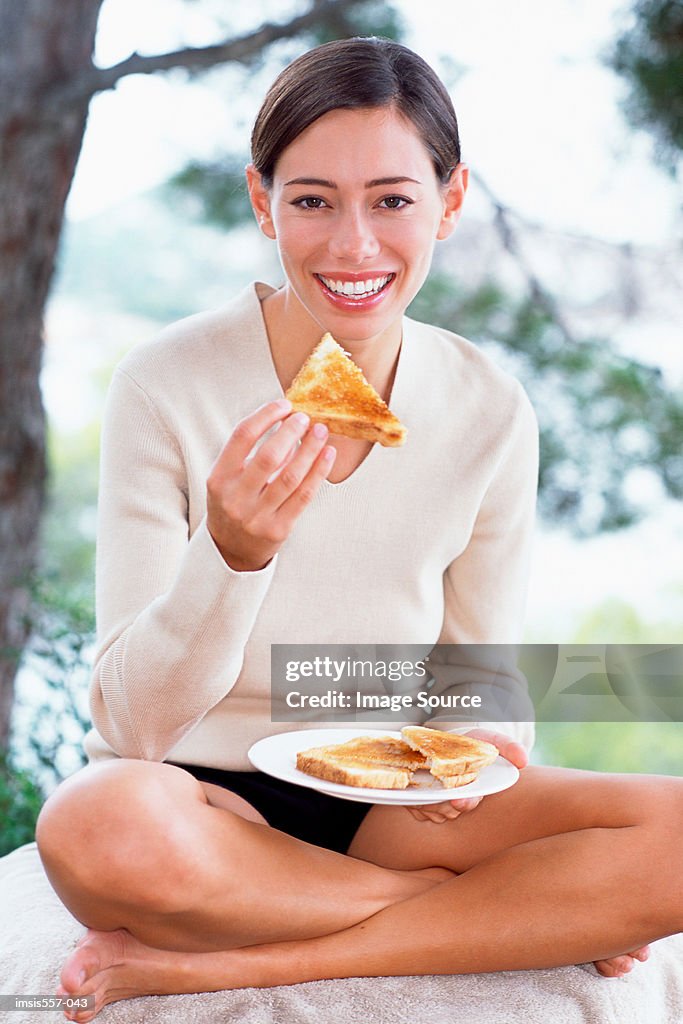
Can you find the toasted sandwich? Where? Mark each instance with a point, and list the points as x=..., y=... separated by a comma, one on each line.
x=454, y=759
x=332, y=390
x=323, y=765
x=375, y=762
x=386, y=750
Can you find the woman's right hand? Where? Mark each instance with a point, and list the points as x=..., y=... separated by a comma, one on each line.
x=253, y=503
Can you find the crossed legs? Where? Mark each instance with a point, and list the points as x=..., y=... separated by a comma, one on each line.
x=563, y=868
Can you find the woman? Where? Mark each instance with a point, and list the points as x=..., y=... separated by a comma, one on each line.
x=192, y=872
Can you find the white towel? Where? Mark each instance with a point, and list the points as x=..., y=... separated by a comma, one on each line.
x=37, y=933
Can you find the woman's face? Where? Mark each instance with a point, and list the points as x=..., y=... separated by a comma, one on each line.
x=356, y=207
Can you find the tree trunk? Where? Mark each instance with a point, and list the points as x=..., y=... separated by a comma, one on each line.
x=45, y=44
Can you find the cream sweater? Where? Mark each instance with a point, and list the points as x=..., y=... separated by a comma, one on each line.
x=421, y=543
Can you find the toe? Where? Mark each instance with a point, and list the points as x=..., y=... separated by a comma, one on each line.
x=614, y=967
x=80, y=966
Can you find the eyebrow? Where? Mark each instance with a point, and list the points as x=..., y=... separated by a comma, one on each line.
x=323, y=183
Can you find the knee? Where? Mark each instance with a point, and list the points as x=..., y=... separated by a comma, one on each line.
x=97, y=803
x=663, y=884
x=664, y=810
x=118, y=828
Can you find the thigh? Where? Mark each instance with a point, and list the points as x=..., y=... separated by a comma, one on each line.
x=544, y=802
x=303, y=813
x=219, y=797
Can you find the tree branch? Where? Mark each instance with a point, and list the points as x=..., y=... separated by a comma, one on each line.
x=240, y=50
x=502, y=221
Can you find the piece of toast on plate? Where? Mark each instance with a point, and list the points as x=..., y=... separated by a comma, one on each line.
x=323, y=765
x=331, y=389
x=389, y=751
x=376, y=762
x=454, y=759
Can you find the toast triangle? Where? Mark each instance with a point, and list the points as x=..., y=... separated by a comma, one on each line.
x=454, y=759
x=332, y=390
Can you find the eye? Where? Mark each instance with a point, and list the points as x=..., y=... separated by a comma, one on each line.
x=395, y=202
x=309, y=203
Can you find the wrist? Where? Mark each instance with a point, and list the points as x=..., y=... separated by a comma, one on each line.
x=236, y=562
x=240, y=565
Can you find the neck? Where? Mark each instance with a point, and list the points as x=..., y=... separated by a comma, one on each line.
x=293, y=334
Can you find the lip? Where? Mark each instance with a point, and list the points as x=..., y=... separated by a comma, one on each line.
x=347, y=303
x=336, y=275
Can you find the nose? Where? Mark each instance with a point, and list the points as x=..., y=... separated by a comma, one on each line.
x=353, y=238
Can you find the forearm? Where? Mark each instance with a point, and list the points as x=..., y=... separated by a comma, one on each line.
x=156, y=678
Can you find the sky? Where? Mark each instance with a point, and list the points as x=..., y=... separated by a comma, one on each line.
x=540, y=122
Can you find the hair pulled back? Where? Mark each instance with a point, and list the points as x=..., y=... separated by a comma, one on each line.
x=350, y=74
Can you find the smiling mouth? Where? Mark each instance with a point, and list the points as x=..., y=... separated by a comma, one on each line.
x=357, y=290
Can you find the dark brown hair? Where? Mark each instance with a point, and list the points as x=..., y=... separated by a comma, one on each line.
x=351, y=74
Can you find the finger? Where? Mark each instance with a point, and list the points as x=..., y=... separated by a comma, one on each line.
x=466, y=805
x=432, y=811
x=416, y=813
x=272, y=455
x=308, y=488
x=442, y=807
x=509, y=748
x=427, y=812
x=450, y=812
x=295, y=469
x=246, y=434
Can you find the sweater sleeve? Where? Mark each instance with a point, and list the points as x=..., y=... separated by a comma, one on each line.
x=173, y=619
x=485, y=591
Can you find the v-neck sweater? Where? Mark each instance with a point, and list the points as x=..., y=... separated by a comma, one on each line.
x=425, y=543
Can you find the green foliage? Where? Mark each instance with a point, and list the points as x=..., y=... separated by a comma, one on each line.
x=649, y=747
x=51, y=715
x=649, y=55
x=20, y=802
x=618, y=622
x=68, y=528
x=603, y=415
x=140, y=260
x=369, y=18
x=219, y=189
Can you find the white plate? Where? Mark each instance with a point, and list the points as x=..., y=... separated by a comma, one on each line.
x=276, y=756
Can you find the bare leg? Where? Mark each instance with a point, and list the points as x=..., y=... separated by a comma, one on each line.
x=587, y=893
x=137, y=845
x=581, y=799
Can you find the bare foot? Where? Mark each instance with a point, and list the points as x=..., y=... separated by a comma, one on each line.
x=618, y=966
x=108, y=966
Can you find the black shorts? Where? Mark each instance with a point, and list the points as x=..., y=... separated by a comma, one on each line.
x=303, y=813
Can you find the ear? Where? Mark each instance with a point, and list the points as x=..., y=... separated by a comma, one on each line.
x=454, y=196
x=260, y=201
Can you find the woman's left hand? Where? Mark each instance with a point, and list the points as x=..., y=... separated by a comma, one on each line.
x=450, y=809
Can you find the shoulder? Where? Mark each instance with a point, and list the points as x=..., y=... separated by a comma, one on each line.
x=464, y=377
x=198, y=344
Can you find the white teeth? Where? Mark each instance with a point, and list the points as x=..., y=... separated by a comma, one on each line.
x=360, y=289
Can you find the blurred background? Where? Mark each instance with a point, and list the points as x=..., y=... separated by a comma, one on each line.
x=565, y=267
